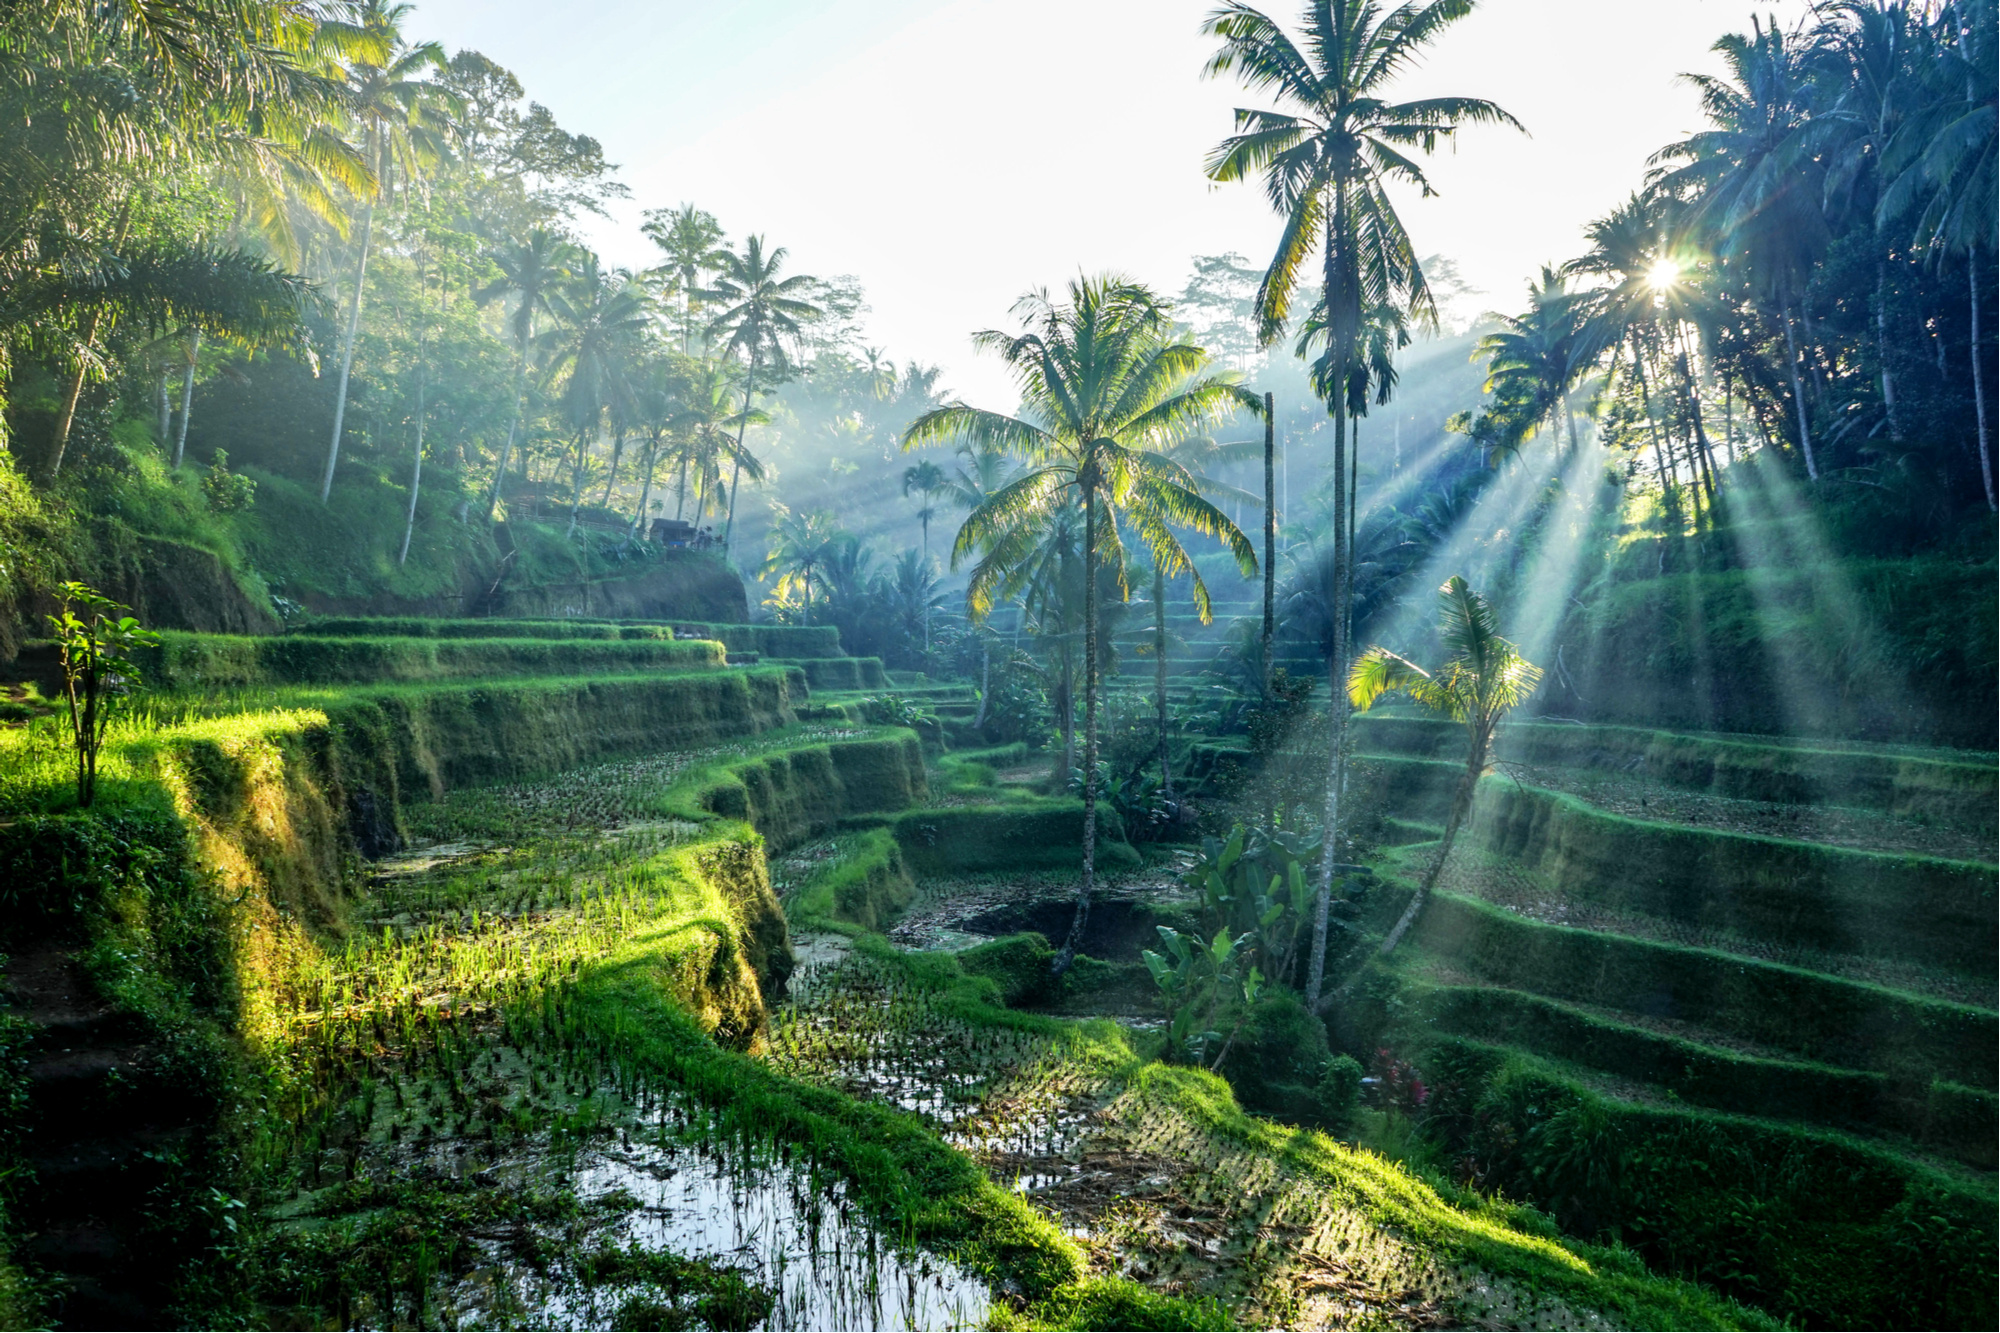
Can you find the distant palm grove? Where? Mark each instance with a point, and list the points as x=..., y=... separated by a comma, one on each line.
x=1492, y=737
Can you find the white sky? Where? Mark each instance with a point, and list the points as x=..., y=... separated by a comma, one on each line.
x=954, y=153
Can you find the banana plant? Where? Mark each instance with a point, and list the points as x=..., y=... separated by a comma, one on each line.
x=1196, y=980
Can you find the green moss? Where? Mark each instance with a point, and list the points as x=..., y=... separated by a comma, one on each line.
x=1018, y=965
x=1786, y=893
x=1945, y=1116
x=206, y=661
x=843, y=673
x=1040, y=835
x=1809, y=1226
x=1819, y=1017
x=1950, y=788
x=864, y=884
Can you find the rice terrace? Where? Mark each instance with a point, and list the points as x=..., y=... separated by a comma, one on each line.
x=1168, y=664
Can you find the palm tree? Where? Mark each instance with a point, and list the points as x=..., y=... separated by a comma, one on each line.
x=928, y=480
x=1533, y=360
x=1754, y=180
x=802, y=544
x=404, y=119
x=980, y=473
x=602, y=318
x=1628, y=247
x=530, y=272
x=222, y=292
x=708, y=414
x=1940, y=166
x=1326, y=163
x=762, y=310
x=690, y=239
x=658, y=383
x=1483, y=678
x=1104, y=388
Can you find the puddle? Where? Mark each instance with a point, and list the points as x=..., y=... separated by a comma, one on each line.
x=422, y=860
x=794, y=1235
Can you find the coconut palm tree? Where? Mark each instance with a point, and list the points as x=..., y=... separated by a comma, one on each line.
x=1941, y=176
x=928, y=480
x=802, y=544
x=405, y=121
x=1533, y=360
x=601, y=319
x=1753, y=181
x=708, y=415
x=1482, y=679
x=1105, y=388
x=531, y=270
x=762, y=310
x=690, y=240
x=1326, y=162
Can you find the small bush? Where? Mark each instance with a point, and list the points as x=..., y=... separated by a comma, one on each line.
x=1339, y=1090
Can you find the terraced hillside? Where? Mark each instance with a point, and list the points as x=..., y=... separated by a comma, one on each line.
x=1729, y=1000
x=423, y=973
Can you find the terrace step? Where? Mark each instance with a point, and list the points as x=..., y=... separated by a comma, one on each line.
x=1688, y=1066
x=1806, y=1015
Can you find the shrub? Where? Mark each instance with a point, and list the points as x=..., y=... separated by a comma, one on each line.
x=1338, y=1090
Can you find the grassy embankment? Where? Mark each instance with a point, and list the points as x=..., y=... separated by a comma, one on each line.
x=1763, y=1062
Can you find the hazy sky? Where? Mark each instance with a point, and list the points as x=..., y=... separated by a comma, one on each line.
x=954, y=153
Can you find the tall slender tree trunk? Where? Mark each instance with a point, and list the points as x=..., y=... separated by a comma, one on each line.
x=1160, y=673
x=187, y=399
x=1979, y=380
x=617, y=455
x=680, y=499
x=985, y=679
x=576, y=483
x=1336, y=715
x=416, y=472
x=1270, y=537
x=66, y=419
x=1882, y=348
x=1067, y=954
x=736, y=462
x=1341, y=311
x=1798, y=391
x=166, y=409
x=514, y=424
x=347, y=352
x=645, y=489
x=1461, y=806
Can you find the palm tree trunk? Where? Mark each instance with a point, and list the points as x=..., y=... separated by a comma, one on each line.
x=1160, y=672
x=71, y=396
x=347, y=352
x=1336, y=706
x=416, y=474
x=187, y=399
x=1461, y=805
x=1882, y=348
x=513, y=425
x=681, y=498
x=645, y=490
x=1798, y=392
x=576, y=484
x=166, y=410
x=617, y=455
x=985, y=679
x=1270, y=549
x=1979, y=381
x=736, y=463
x=1067, y=955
